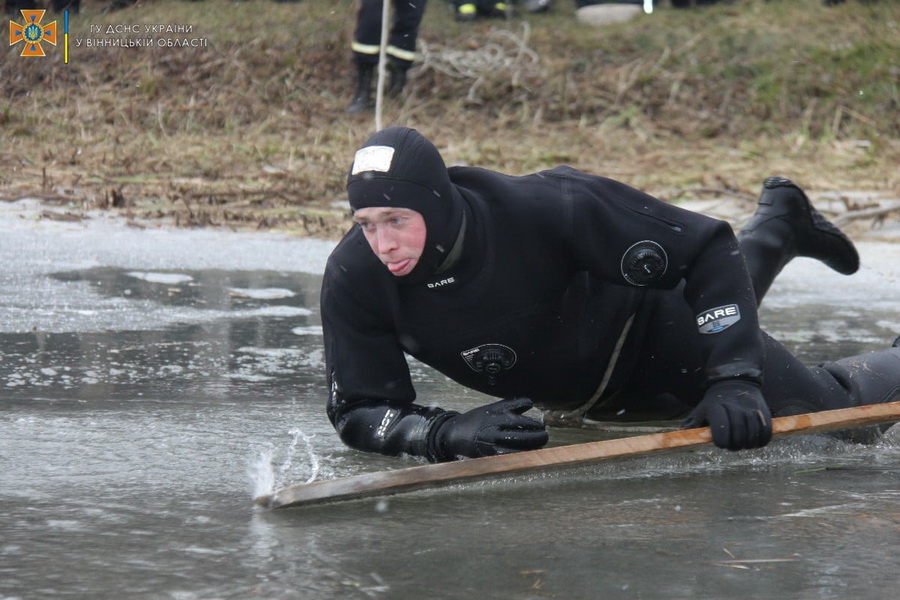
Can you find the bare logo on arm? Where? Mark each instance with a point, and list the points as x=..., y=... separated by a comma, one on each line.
x=718, y=319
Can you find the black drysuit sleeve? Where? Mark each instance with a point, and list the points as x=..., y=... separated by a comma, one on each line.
x=627, y=237
x=362, y=354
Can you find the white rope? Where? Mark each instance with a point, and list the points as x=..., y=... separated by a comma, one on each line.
x=382, y=59
x=502, y=53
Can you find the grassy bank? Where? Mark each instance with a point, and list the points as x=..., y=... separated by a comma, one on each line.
x=247, y=129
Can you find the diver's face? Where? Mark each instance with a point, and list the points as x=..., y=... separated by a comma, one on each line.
x=396, y=236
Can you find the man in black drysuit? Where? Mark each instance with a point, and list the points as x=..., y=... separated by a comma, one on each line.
x=406, y=17
x=573, y=292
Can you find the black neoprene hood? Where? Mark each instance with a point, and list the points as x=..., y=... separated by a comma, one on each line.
x=398, y=167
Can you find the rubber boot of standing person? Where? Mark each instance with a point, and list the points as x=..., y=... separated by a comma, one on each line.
x=365, y=74
x=362, y=95
x=396, y=77
x=406, y=16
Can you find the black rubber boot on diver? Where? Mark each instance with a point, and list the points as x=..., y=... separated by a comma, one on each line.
x=362, y=97
x=786, y=225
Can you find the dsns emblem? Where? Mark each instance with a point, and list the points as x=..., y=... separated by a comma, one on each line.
x=492, y=360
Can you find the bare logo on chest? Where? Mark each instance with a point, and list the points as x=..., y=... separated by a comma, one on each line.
x=442, y=283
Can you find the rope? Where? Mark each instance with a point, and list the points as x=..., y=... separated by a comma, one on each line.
x=382, y=60
x=501, y=52
x=559, y=416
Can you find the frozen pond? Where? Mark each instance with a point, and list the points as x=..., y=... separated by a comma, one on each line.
x=153, y=381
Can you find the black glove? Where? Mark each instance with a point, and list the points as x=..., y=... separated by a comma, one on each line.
x=736, y=413
x=498, y=428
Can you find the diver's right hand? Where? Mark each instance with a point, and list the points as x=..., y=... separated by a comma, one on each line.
x=498, y=428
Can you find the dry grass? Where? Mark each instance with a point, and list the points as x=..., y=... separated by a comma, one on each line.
x=250, y=131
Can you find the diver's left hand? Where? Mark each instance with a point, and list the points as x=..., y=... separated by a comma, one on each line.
x=736, y=413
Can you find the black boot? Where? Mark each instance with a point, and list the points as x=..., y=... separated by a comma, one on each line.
x=786, y=225
x=397, y=80
x=362, y=97
x=500, y=10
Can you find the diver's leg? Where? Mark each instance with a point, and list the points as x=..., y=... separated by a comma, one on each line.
x=786, y=225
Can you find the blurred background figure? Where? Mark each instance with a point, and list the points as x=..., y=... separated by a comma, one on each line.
x=538, y=6
x=469, y=10
x=406, y=16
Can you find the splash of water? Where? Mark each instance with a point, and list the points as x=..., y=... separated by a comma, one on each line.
x=313, y=459
x=261, y=473
x=265, y=479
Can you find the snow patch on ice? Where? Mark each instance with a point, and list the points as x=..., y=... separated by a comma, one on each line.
x=164, y=278
x=262, y=294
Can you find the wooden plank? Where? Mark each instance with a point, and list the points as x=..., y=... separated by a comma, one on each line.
x=396, y=481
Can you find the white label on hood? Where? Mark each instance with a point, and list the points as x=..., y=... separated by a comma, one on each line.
x=373, y=158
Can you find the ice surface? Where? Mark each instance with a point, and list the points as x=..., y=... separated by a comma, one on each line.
x=31, y=249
